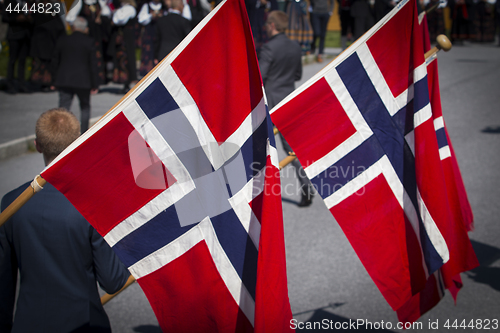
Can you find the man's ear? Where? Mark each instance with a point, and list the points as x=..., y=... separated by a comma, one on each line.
x=38, y=148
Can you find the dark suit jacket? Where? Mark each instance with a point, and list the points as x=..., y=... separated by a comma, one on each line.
x=381, y=8
x=47, y=30
x=361, y=8
x=20, y=24
x=280, y=62
x=59, y=256
x=170, y=31
x=74, y=63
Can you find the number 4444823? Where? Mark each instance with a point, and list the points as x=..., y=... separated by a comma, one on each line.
x=41, y=8
x=484, y=324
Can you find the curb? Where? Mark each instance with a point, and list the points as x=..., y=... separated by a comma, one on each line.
x=17, y=147
x=24, y=145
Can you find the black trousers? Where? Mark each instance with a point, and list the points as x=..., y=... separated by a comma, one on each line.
x=66, y=97
x=18, y=51
x=319, y=23
x=129, y=40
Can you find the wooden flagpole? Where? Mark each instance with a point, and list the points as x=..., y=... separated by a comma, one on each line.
x=432, y=8
x=443, y=43
x=287, y=160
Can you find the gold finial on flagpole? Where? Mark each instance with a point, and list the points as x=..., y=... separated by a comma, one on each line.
x=443, y=43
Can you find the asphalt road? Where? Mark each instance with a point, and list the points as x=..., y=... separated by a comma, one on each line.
x=326, y=280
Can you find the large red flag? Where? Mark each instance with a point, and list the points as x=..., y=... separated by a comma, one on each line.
x=362, y=129
x=181, y=179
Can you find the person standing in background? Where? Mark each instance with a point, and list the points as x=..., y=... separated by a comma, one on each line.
x=346, y=22
x=321, y=11
x=299, y=27
x=462, y=15
x=47, y=30
x=280, y=63
x=435, y=20
x=382, y=8
x=74, y=67
x=362, y=13
x=18, y=37
x=122, y=44
x=147, y=17
x=257, y=11
x=199, y=9
x=92, y=11
x=171, y=30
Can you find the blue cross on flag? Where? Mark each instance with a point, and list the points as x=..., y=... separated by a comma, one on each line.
x=181, y=178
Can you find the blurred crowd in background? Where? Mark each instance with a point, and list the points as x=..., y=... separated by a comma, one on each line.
x=129, y=41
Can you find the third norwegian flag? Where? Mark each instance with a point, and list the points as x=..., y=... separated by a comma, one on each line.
x=462, y=256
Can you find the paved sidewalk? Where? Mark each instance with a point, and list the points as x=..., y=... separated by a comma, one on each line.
x=19, y=112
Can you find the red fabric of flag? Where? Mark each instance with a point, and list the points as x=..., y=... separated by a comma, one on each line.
x=181, y=179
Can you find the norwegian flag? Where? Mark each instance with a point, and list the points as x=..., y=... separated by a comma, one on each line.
x=362, y=129
x=456, y=190
x=181, y=179
x=462, y=256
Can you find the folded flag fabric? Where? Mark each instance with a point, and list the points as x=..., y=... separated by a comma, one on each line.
x=462, y=256
x=181, y=179
x=461, y=208
x=362, y=128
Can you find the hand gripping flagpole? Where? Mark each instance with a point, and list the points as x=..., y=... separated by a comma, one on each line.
x=443, y=43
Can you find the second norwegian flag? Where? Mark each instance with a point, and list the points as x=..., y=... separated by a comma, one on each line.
x=370, y=149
